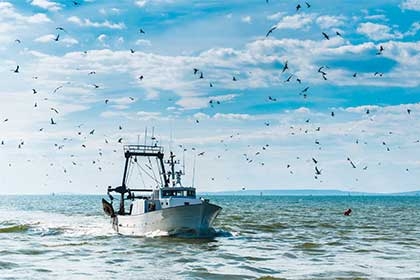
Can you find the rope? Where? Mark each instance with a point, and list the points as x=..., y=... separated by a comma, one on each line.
x=154, y=175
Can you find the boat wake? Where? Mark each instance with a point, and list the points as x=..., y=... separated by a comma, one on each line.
x=53, y=224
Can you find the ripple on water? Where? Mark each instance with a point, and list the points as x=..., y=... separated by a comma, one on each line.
x=308, y=246
x=268, y=277
x=7, y=265
x=215, y=276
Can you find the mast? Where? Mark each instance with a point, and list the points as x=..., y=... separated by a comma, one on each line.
x=142, y=151
x=127, y=161
x=172, y=163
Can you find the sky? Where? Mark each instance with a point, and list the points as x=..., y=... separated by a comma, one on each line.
x=329, y=99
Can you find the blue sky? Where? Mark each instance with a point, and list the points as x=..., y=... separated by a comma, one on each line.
x=263, y=131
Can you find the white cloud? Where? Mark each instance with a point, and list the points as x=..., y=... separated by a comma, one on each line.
x=246, y=19
x=414, y=28
x=230, y=116
x=298, y=21
x=143, y=42
x=276, y=16
x=48, y=5
x=46, y=38
x=201, y=116
x=89, y=23
x=411, y=5
x=326, y=22
x=376, y=17
x=51, y=37
x=38, y=18
x=69, y=41
x=141, y=3
x=377, y=31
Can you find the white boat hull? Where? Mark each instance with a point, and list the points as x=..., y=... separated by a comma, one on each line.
x=194, y=219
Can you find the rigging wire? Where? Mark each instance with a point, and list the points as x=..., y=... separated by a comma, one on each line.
x=127, y=179
x=160, y=172
x=151, y=177
x=151, y=165
x=141, y=176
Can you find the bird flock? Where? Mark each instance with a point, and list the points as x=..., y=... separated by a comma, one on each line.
x=253, y=155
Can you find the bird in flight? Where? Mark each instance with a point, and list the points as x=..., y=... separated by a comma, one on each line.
x=298, y=7
x=57, y=88
x=53, y=109
x=271, y=30
x=142, y=31
x=285, y=67
x=60, y=28
x=16, y=70
x=326, y=35
x=352, y=164
x=308, y=5
x=56, y=38
x=52, y=121
x=381, y=49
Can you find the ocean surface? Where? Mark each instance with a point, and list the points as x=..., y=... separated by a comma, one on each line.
x=257, y=237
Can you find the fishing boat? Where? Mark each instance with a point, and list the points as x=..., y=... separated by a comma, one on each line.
x=162, y=206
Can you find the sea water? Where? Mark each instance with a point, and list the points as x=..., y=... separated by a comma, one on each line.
x=257, y=237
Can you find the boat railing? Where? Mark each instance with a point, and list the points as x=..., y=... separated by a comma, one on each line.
x=143, y=149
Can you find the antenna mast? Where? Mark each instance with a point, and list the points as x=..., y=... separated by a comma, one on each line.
x=145, y=136
x=193, y=176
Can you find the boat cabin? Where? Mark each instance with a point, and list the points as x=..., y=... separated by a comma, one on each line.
x=162, y=198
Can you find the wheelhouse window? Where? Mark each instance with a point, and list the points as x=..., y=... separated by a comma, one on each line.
x=178, y=193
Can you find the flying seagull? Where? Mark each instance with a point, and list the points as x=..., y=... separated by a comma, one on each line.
x=352, y=164
x=53, y=109
x=17, y=69
x=285, y=67
x=60, y=28
x=271, y=30
x=325, y=35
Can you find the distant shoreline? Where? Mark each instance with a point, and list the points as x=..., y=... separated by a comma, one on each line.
x=307, y=192
x=255, y=192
